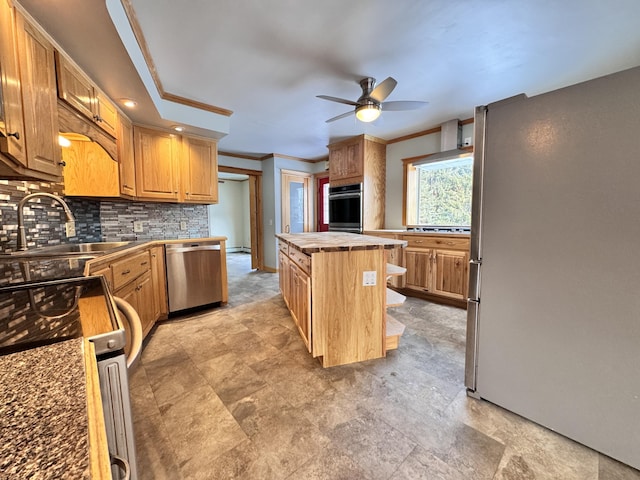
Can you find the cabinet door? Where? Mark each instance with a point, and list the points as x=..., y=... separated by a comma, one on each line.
x=419, y=269
x=124, y=139
x=302, y=293
x=146, y=302
x=283, y=271
x=200, y=170
x=37, y=72
x=450, y=276
x=11, y=124
x=73, y=87
x=106, y=115
x=156, y=157
x=346, y=161
x=159, y=277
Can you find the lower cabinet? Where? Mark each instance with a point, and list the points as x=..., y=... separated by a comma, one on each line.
x=295, y=285
x=159, y=278
x=139, y=278
x=139, y=293
x=437, y=266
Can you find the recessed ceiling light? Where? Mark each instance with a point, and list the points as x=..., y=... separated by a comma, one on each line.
x=127, y=102
x=178, y=128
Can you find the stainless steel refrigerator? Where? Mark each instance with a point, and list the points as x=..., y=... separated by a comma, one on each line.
x=553, y=327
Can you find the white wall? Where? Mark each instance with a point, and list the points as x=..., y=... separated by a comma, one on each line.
x=230, y=216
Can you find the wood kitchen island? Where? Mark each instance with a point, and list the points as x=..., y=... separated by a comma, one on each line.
x=335, y=287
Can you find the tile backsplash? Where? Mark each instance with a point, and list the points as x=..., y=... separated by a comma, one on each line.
x=95, y=220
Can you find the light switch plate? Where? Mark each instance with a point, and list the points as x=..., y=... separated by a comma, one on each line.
x=369, y=278
x=138, y=226
x=183, y=225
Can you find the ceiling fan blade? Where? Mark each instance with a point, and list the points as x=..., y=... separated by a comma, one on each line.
x=336, y=99
x=383, y=90
x=341, y=116
x=398, y=106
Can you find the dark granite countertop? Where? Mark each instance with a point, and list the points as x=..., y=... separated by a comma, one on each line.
x=43, y=413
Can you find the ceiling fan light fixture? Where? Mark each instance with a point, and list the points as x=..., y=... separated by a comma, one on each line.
x=368, y=112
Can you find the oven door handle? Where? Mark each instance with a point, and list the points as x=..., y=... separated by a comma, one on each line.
x=337, y=196
x=133, y=319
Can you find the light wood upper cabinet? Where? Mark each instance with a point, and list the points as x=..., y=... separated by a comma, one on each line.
x=124, y=143
x=79, y=91
x=38, y=81
x=12, y=141
x=156, y=159
x=346, y=161
x=199, y=170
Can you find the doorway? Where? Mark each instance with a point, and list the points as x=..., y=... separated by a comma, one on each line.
x=255, y=212
x=296, y=213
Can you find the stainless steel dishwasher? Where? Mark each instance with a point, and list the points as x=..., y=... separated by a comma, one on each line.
x=193, y=274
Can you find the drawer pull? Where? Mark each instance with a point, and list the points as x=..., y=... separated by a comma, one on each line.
x=126, y=272
x=143, y=263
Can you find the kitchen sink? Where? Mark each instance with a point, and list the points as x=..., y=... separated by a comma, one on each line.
x=89, y=248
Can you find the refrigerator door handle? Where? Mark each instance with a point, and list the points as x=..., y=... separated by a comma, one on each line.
x=471, y=352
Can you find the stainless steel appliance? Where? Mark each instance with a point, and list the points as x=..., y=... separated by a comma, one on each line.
x=49, y=311
x=553, y=331
x=193, y=274
x=345, y=208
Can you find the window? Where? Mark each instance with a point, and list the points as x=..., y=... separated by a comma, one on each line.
x=439, y=192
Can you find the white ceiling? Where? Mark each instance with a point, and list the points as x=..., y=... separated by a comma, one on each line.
x=267, y=60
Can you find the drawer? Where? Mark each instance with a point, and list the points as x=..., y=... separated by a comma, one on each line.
x=127, y=269
x=453, y=243
x=284, y=248
x=302, y=260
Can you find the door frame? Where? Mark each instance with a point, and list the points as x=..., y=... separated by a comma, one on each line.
x=255, y=213
x=319, y=182
x=306, y=180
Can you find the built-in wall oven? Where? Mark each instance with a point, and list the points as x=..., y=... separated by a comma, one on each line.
x=345, y=208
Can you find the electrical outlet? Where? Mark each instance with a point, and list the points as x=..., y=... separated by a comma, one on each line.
x=467, y=141
x=70, y=229
x=183, y=225
x=368, y=279
x=138, y=226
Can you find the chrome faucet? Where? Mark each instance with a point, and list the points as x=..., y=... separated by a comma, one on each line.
x=22, y=239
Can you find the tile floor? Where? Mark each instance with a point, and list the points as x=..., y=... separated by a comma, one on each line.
x=231, y=393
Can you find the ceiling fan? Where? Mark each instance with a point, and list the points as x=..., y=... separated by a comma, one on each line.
x=371, y=102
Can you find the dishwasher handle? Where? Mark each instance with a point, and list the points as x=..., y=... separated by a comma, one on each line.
x=190, y=248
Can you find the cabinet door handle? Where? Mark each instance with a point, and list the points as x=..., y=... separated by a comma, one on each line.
x=16, y=135
x=62, y=164
x=143, y=263
x=126, y=272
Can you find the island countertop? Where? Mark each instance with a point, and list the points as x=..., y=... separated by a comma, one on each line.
x=312, y=242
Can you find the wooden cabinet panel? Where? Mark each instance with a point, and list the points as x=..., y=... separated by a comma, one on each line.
x=346, y=161
x=124, y=139
x=159, y=277
x=12, y=141
x=451, y=274
x=89, y=171
x=156, y=158
x=75, y=88
x=106, y=114
x=129, y=268
x=146, y=302
x=419, y=271
x=200, y=170
x=38, y=77
x=301, y=292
